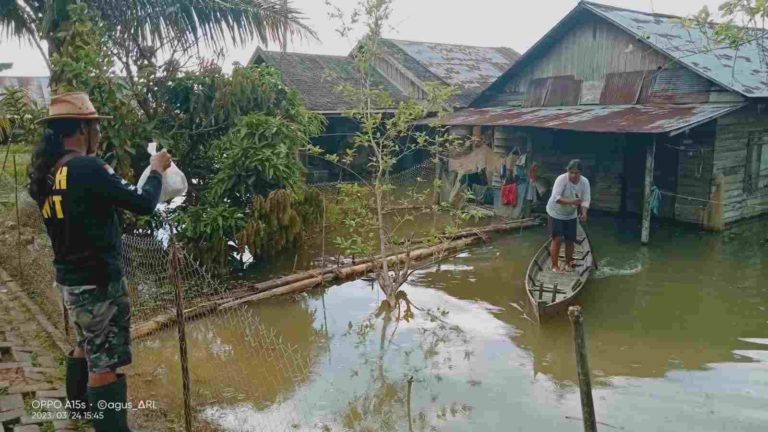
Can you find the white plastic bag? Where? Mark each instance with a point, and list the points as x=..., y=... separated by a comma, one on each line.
x=174, y=181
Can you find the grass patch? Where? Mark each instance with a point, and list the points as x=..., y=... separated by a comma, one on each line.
x=22, y=154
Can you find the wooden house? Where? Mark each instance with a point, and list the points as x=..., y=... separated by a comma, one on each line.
x=319, y=80
x=648, y=104
x=403, y=70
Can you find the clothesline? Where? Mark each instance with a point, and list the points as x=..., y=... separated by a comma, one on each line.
x=663, y=192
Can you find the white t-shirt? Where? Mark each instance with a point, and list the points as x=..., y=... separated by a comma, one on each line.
x=563, y=188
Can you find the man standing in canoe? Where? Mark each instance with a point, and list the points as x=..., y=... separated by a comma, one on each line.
x=78, y=195
x=569, y=201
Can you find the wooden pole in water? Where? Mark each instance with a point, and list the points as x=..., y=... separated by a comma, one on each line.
x=649, y=160
x=173, y=275
x=582, y=365
x=408, y=401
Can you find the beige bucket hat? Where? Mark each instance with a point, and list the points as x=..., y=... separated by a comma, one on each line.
x=72, y=105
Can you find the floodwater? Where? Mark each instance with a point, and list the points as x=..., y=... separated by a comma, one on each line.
x=677, y=334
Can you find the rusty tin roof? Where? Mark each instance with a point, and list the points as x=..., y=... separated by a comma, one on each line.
x=469, y=68
x=670, y=119
x=460, y=65
x=738, y=69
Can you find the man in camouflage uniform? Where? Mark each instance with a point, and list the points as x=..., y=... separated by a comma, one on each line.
x=78, y=195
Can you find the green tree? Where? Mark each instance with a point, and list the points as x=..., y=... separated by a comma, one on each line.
x=255, y=201
x=196, y=109
x=156, y=22
x=387, y=138
x=83, y=63
x=742, y=22
x=18, y=113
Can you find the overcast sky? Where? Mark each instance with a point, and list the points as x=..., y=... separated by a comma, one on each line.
x=513, y=23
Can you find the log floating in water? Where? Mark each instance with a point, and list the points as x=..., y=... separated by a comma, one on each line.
x=307, y=280
x=167, y=319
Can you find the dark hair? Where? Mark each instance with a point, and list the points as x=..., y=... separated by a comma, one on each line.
x=48, y=151
x=574, y=164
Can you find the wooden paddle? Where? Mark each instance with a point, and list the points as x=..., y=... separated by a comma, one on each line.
x=591, y=245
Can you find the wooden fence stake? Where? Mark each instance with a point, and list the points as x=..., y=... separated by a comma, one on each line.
x=408, y=401
x=173, y=275
x=582, y=365
x=18, y=219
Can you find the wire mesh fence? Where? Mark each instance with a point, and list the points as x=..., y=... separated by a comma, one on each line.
x=243, y=378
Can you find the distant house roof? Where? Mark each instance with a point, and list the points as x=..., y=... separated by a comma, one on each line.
x=740, y=70
x=318, y=78
x=37, y=87
x=469, y=68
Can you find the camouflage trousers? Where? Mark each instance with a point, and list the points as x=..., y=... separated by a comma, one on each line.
x=102, y=319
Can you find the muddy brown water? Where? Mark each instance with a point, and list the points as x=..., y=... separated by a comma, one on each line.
x=677, y=334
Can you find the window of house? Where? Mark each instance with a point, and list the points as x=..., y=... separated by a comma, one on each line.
x=756, y=170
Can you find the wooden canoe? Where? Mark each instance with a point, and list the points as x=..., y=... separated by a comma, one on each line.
x=551, y=293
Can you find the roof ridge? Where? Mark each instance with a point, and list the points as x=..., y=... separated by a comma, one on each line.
x=592, y=4
x=602, y=5
x=450, y=44
x=296, y=53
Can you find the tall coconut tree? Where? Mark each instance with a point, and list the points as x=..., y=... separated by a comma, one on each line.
x=210, y=23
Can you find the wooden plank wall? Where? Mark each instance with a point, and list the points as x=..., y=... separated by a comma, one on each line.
x=730, y=158
x=400, y=77
x=601, y=154
x=694, y=171
x=590, y=51
x=597, y=54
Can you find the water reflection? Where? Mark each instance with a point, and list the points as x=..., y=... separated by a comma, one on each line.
x=681, y=303
x=386, y=402
x=676, y=331
x=236, y=358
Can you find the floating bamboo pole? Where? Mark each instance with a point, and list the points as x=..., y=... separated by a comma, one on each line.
x=307, y=280
x=472, y=232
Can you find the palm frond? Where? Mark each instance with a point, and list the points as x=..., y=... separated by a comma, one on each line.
x=211, y=22
x=14, y=21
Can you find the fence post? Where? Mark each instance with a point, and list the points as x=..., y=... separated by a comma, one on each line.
x=173, y=276
x=582, y=365
x=649, y=161
x=18, y=219
x=322, y=238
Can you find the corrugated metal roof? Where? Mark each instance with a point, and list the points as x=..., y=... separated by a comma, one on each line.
x=460, y=65
x=469, y=68
x=593, y=118
x=37, y=87
x=740, y=70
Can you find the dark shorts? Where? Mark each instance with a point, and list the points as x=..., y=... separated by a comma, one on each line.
x=562, y=228
x=102, y=319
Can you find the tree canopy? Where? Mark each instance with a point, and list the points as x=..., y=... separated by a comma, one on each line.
x=158, y=22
